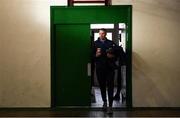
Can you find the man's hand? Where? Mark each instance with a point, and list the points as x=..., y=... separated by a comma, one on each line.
x=109, y=55
x=98, y=52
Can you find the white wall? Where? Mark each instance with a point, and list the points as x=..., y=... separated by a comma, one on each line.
x=156, y=66
x=25, y=52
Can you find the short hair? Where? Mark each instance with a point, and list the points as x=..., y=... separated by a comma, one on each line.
x=103, y=29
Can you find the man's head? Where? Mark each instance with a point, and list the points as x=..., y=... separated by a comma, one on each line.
x=102, y=33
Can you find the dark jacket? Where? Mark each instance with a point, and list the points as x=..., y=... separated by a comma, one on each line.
x=103, y=62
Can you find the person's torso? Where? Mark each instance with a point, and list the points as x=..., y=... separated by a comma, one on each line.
x=103, y=61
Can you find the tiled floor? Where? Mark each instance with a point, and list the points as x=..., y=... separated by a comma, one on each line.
x=97, y=100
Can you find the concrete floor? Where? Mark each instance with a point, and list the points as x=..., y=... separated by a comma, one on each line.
x=80, y=112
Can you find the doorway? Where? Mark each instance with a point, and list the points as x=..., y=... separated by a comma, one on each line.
x=71, y=50
x=117, y=34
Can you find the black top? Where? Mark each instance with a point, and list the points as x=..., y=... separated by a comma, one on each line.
x=106, y=46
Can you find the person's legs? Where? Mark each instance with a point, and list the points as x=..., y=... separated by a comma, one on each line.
x=101, y=77
x=119, y=78
x=110, y=85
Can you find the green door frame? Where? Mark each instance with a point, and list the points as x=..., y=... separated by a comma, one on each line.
x=70, y=15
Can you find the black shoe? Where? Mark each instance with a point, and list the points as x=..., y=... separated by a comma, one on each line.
x=109, y=110
x=105, y=106
x=116, y=97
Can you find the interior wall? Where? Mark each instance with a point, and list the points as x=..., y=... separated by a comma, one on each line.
x=156, y=66
x=25, y=52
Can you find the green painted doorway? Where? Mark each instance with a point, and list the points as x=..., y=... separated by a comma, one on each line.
x=71, y=51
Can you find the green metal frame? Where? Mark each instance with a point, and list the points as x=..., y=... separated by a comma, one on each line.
x=93, y=11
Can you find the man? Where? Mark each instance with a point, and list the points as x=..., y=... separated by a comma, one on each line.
x=104, y=53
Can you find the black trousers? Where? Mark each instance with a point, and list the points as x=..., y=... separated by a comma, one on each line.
x=119, y=79
x=105, y=78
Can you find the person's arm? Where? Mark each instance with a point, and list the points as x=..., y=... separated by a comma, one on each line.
x=111, y=53
x=122, y=56
x=96, y=51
